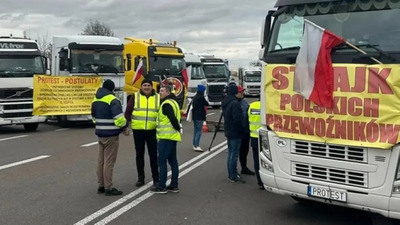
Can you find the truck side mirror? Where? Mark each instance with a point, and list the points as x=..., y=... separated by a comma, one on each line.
x=266, y=27
x=64, y=62
x=129, y=62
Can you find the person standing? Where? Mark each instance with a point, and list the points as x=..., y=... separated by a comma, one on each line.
x=233, y=128
x=142, y=110
x=109, y=120
x=168, y=134
x=199, y=104
x=244, y=145
x=254, y=114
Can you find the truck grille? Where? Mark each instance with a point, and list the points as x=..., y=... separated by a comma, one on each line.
x=19, y=93
x=17, y=115
x=216, y=93
x=334, y=175
x=255, y=87
x=338, y=152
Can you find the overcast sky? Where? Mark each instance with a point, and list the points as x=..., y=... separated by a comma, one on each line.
x=226, y=28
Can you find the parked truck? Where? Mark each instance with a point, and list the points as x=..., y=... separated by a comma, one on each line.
x=250, y=79
x=85, y=55
x=20, y=59
x=197, y=75
x=348, y=154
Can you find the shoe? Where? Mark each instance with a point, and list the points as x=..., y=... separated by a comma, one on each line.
x=100, y=190
x=237, y=179
x=173, y=189
x=198, y=149
x=139, y=183
x=247, y=171
x=112, y=191
x=157, y=190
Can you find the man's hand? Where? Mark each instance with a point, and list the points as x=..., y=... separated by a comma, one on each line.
x=126, y=131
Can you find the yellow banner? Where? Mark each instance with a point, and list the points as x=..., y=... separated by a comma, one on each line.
x=366, y=109
x=57, y=95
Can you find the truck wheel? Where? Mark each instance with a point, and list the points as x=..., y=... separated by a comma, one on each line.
x=216, y=106
x=378, y=219
x=31, y=126
x=63, y=122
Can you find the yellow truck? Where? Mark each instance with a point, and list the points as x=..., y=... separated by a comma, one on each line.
x=161, y=62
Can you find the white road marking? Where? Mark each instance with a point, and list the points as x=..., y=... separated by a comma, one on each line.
x=23, y=162
x=90, y=144
x=62, y=129
x=15, y=137
x=149, y=194
x=139, y=190
x=210, y=114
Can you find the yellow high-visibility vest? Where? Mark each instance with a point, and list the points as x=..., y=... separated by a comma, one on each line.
x=165, y=130
x=145, y=111
x=254, y=113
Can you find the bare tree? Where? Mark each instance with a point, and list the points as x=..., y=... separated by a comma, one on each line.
x=44, y=44
x=97, y=28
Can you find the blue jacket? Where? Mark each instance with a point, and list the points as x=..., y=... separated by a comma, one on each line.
x=107, y=114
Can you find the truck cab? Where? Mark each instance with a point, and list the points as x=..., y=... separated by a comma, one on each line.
x=20, y=59
x=250, y=79
x=197, y=75
x=86, y=55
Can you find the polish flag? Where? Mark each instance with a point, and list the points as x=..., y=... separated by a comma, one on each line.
x=138, y=72
x=186, y=73
x=313, y=76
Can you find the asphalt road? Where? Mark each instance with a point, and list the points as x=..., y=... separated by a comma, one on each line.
x=48, y=177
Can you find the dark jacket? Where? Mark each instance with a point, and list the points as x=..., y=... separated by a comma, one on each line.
x=245, y=107
x=198, y=104
x=169, y=112
x=233, y=117
x=102, y=110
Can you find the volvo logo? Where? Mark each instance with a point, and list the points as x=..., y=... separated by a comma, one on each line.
x=18, y=93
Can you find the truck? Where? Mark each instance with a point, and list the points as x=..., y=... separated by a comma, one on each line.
x=197, y=75
x=217, y=74
x=20, y=59
x=163, y=63
x=348, y=154
x=250, y=79
x=88, y=55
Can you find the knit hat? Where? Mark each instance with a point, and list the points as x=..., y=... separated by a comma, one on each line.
x=147, y=81
x=232, y=89
x=201, y=88
x=109, y=85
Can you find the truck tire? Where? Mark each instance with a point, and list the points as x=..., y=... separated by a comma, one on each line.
x=31, y=126
x=378, y=219
x=63, y=122
x=216, y=106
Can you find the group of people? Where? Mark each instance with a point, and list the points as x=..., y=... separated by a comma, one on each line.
x=153, y=118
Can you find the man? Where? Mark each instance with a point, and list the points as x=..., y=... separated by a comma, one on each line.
x=244, y=146
x=108, y=117
x=168, y=134
x=199, y=116
x=142, y=111
x=255, y=123
x=233, y=128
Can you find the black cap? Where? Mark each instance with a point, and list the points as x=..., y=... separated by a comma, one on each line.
x=147, y=81
x=109, y=85
x=232, y=89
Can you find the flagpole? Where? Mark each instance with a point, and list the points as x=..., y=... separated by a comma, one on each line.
x=346, y=42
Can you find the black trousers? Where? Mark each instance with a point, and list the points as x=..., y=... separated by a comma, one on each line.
x=244, y=150
x=141, y=137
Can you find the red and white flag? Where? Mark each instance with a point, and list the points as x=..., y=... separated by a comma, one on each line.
x=138, y=72
x=313, y=77
x=186, y=73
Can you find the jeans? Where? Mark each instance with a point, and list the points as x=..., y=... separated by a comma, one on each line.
x=256, y=158
x=198, y=124
x=167, y=151
x=233, y=154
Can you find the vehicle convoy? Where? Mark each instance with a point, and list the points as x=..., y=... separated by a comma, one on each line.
x=20, y=59
x=250, y=79
x=197, y=75
x=217, y=74
x=85, y=55
x=161, y=63
x=348, y=154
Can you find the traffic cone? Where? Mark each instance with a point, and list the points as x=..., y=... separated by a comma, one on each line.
x=205, y=127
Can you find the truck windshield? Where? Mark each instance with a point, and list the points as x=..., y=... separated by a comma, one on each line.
x=216, y=71
x=161, y=65
x=21, y=66
x=89, y=61
x=252, y=76
x=197, y=72
x=361, y=25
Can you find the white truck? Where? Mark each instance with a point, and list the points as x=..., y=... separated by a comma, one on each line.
x=217, y=74
x=348, y=154
x=85, y=55
x=197, y=75
x=20, y=59
x=250, y=79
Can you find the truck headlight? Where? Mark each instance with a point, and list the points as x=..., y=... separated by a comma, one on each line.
x=264, y=143
x=1, y=109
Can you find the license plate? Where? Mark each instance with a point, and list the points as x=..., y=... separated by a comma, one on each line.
x=327, y=193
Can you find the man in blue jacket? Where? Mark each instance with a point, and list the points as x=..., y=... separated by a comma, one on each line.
x=234, y=129
x=110, y=121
